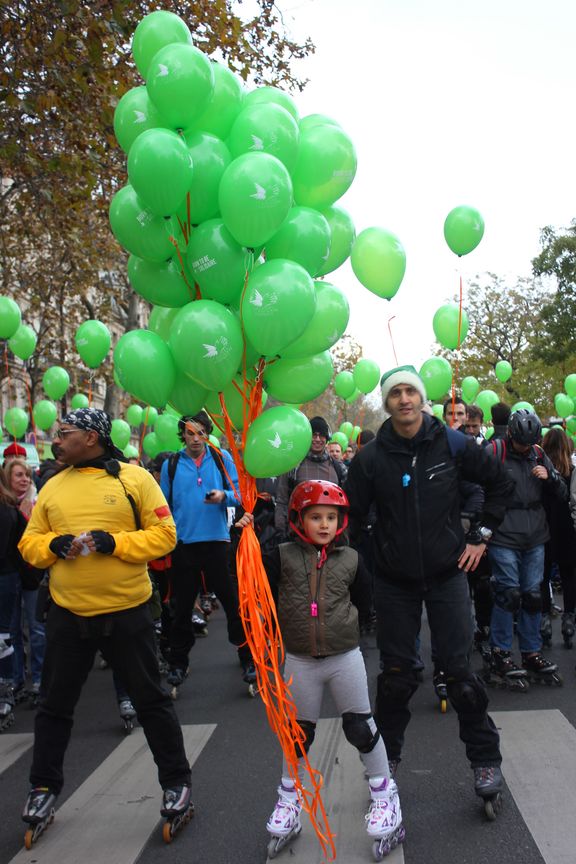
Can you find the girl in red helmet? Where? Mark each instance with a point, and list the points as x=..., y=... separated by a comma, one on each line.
x=314, y=579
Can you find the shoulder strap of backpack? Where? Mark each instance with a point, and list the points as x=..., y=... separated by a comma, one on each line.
x=457, y=442
x=172, y=465
x=219, y=460
x=499, y=448
x=539, y=453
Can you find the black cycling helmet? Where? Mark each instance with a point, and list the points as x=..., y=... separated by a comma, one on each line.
x=524, y=427
x=200, y=418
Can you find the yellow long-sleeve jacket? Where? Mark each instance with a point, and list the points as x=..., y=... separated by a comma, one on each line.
x=88, y=499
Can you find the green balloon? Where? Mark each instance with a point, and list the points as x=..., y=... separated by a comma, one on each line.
x=267, y=95
x=378, y=261
x=137, y=229
x=23, y=342
x=485, y=399
x=151, y=445
x=342, y=236
x=145, y=366
x=79, y=400
x=438, y=411
x=312, y=120
x=570, y=385
x=463, y=230
x=255, y=197
x=545, y=430
x=160, y=170
x=166, y=429
x=344, y=385
x=134, y=415
x=55, y=382
x=130, y=452
x=214, y=441
x=233, y=399
x=187, y=395
x=326, y=166
x=436, y=373
x=303, y=237
x=563, y=405
x=366, y=375
x=93, y=343
x=120, y=433
x=210, y=157
x=218, y=263
x=341, y=439
x=470, y=388
x=16, y=422
x=489, y=433
x=161, y=284
x=265, y=128
x=503, y=371
x=134, y=114
x=355, y=432
x=149, y=416
x=353, y=397
x=346, y=429
x=278, y=305
x=161, y=321
x=518, y=406
x=180, y=83
x=276, y=442
x=44, y=414
x=299, y=380
x=571, y=425
x=154, y=32
x=327, y=324
x=206, y=341
x=224, y=106
x=450, y=328
x=10, y=317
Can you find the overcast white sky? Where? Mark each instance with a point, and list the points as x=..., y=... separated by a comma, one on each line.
x=448, y=102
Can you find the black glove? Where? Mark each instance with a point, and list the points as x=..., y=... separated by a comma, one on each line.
x=104, y=542
x=61, y=545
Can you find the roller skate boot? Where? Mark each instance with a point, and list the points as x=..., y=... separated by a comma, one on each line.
x=127, y=714
x=441, y=690
x=568, y=629
x=541, y=671
x=177, y=809
x=546, y=630
x=249, y=676
x=205, y=604
x=34, y=695
x=488, y=786
x=284, y=823
x=38, y=813
x=175, y=678
x=384, y=818
x=501, y=671
x=6, y=706
x=199, y=623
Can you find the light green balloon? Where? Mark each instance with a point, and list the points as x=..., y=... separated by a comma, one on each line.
x=344, y=385
x=327, y=325
x=485, y=399
x=436, y=373
x=154, y=32
x=214, y=441
x=303, y=237
x=299, y=380
x=470, y=388
x=166, y=429
x=93, y=342
x=151, y=445
x=463, y=230
x=161, y=284
x=149, y=416
x=353, y=397
x=342, y=236
x=79, y=400
x=137, y=229
x=210, y=157
x=255, y=197
x=134, y=114
x=16, y=422
x=134, y=415
x=378, y=261
x=145, y=366
x=188, y=396
x=312, y=120
x=570, y=385
x=341, y=439
x=265, y=128
x=224, y=106
x=503, y=371
x=206, y=341
x=180, y=84
x=130, y=452
x=276, y=442
x=489, y=433
x=438, y=411
x=266, y=95
x=563, y=405
x=161, y=321
x=325, y=168
x=355, y=432
x=10, y=317
x=120, y=433
x=346, y=429
x=55, y=382
x=450, y=328
x=279, y=303
x=571, y=425
x=366, y=375
x=44, y=414
x=160, y=170
x=23, y=342
x=218, y=263
x=518, y=406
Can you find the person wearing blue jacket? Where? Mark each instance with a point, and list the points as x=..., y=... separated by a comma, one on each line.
x=199, y=483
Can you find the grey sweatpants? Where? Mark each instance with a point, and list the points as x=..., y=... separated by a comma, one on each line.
x=345, y=675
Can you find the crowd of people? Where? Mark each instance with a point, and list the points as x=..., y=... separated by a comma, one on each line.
x=469, y=517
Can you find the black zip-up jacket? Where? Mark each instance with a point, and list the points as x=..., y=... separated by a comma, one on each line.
x=413, y=482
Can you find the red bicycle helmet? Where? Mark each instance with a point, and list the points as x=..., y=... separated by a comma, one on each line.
x=310, y=493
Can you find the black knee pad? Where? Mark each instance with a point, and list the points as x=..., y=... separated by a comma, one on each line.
x=396, y=686
x=358, y=732
x=532, y=602
x=309, y=730
x=468, y=696
x=507, y=598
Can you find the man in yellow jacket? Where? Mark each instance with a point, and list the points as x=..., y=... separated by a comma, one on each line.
x=95, y=526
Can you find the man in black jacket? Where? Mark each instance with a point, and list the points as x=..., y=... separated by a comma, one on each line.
x=411, y=473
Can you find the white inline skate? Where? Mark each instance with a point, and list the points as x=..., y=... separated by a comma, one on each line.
x=384, y=818
x=284, y=823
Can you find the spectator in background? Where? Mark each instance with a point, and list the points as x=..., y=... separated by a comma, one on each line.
x=474, y=421
x=500, y=415
x=454, y=413
x=364, y=436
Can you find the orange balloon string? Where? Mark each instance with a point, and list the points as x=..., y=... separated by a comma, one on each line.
x=263, y=636
x=29, y=395
x=183, y=229
x=392, y=338
x=7, y=365
x=143, y=433
x=457, y=356
x=182, y=272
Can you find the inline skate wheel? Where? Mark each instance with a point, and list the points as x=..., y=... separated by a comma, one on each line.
x=128, y=726
x=492, y=806
x=252, y=690
x=29, y=839
x=557, y=679
x=443, y=706
x=174, y=693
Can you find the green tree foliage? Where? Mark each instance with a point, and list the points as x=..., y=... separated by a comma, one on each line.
x=556, y=341
x=64, y=64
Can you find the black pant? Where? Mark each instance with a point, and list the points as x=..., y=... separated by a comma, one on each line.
x=126, y=639
x=399, y=610
x=189, y=562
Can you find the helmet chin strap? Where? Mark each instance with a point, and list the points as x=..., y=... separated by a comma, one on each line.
x=299, y=530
